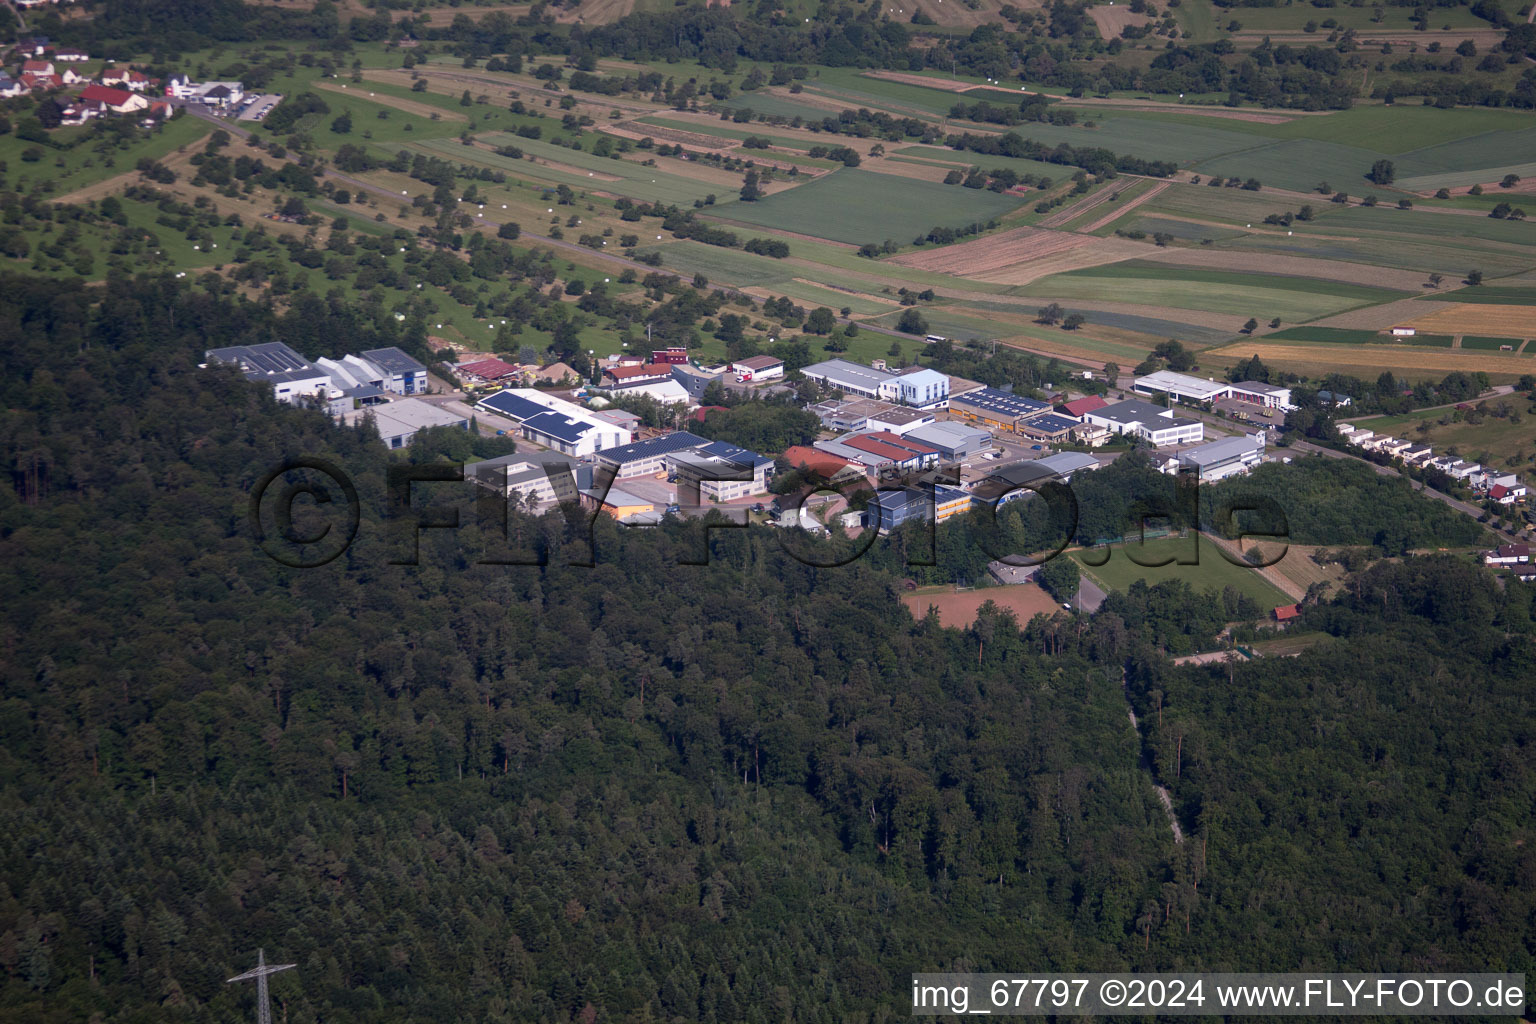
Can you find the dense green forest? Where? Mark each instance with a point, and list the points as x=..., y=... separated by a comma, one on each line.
x=648, y=790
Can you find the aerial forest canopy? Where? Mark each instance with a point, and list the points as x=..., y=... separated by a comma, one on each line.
x=648, y=790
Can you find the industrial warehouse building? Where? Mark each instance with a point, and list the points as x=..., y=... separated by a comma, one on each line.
x=397, y=422
x=720, y=471
x=1229, y=456
x=1151, y=423
x=556, y=423
x=1196, y=390
x=996, y=409
x=848, y=377
x=953, y=441
x=292, y=377
x=1050, y=427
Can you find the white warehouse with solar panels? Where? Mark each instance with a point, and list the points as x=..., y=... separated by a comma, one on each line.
x=555, y=423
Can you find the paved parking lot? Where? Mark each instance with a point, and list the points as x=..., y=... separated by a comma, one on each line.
x=258, y=108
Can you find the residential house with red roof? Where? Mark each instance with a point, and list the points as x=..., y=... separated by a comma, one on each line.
x=118, y=101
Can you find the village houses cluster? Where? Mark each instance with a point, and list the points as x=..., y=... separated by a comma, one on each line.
x=1502, y=488
x=86, y=87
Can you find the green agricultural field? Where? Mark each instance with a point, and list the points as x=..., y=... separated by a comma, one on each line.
x=724, y=130
x=1211, y=571
x=1181, y=229
x=1419, y=224
x=1234, y=206
x=74, y=158
x=1258, y=295
x=743, y=269
x=1449, y=255
x=1490, y=294
x=766, y=103
x=862, y=90
x=1329, y=335
x=1297, y=164
x=859, y=206
x=648, y=184
x=1492, y=344
x=959, y=158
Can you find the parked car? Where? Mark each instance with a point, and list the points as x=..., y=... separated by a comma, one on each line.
x=1037, y=447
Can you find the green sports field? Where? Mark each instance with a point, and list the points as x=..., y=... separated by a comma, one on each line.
x=859, y=206
x=1211, y=572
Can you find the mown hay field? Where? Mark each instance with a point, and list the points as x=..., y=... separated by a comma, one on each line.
x=1367, y=362
x=1479, y=319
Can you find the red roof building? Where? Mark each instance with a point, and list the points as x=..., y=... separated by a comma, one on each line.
x=1287, y=612
x=817, y=461
x=703, y=411
x=1080, y=407
x=489, y=369
x=37, y=67
x=638, y=374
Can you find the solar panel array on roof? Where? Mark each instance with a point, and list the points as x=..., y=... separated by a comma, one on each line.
x=994, y=400
x=663, y=445
x=515, y=406
x=393, y=360
x=557, y=425
x=1051, y=423
x=268, y=357
x=732, y=453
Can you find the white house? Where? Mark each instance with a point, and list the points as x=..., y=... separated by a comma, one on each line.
x=1508, y=554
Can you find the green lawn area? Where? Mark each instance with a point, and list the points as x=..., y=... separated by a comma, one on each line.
x=860, y=206
x=1211, y=572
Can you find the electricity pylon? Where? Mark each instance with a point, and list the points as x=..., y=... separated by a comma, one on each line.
x=260, y=972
